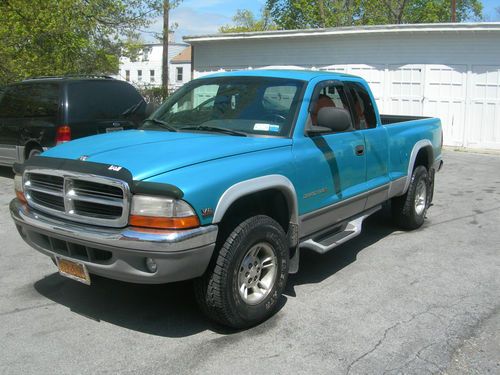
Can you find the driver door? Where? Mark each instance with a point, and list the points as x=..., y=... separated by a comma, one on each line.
x=331, y=167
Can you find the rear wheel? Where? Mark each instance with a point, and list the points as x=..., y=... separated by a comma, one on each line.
x=243, y=285
x=409, y=209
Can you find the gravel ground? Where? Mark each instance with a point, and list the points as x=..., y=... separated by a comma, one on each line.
x=386, y=302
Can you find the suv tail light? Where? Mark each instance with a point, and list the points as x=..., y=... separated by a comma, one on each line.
x=63, y=134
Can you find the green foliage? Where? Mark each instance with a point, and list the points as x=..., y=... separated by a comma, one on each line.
x=301, y=14
x=154, y=95
x=56, y=37
x=244, y=20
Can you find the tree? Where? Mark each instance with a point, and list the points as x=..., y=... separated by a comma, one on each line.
x=298, y=14
x=244, y=20
x=56, y=37
x=304, y=14
x=167, y=6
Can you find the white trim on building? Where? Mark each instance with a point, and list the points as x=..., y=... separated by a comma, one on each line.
x=451, y=71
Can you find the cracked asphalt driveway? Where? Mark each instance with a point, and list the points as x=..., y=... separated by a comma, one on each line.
x=387, y=302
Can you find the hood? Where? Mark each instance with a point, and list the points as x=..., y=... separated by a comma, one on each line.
x=146, y=153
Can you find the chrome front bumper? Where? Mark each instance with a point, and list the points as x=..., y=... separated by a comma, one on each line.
x=119, y=253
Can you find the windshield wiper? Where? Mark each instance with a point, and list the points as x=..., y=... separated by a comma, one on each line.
x=162, y=124
x=214, y=129
x=131, y=110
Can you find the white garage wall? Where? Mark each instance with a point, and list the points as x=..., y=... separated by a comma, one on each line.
x=454, y=75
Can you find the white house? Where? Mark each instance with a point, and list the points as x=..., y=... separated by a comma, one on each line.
x=451, y=71
x=180, y=68
x=146, y=70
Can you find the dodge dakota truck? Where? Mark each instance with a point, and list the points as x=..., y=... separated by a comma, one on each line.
x=225, y=183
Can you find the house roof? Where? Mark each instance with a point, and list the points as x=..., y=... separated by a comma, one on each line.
x=374, y=29
x=183, y=57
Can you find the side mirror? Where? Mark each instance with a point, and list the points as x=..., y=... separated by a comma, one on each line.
x=335, y=119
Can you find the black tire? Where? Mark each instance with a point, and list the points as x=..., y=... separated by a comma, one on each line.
x=217, y=292
x=404, y=211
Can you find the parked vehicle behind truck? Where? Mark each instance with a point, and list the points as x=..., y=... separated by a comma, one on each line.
x=225, y=183
x=39, y=113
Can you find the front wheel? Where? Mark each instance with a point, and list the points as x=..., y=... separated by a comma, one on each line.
x=409, y=209
x=242, y=286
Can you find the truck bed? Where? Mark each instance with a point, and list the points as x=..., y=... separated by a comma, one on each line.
x=394, y=119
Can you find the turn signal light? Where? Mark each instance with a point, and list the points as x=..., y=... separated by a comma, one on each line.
x=63, y=134
x=186, y=222
x=21, y=197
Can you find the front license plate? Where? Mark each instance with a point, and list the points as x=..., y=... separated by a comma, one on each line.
x=73, y=270
x=109, y=130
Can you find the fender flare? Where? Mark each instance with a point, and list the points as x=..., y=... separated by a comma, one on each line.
x=254, y=185
x=413, y=157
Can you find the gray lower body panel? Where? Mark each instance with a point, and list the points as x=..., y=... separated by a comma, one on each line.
x=121, y=255
x=338, y=212
x=10, y=155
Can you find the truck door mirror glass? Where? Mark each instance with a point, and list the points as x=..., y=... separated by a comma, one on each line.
x=336, y=119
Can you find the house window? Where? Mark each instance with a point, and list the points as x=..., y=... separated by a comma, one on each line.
x=179, y=74
x=139, y=75
x=127, y=75
x=145, y=54
x=152, y=75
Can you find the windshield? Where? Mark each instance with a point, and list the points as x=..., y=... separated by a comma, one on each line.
x=244, y=105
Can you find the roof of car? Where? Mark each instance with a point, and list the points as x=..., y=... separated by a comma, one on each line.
x=301, y=74
x=68, y=78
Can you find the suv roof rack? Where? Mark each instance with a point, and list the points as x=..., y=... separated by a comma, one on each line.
x=70, y=76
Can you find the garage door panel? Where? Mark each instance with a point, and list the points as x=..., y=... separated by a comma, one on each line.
x=448, y=81
x=451, y=113
x=486, y=82
x=445, y=94
x=405, y=89
x=484, y=117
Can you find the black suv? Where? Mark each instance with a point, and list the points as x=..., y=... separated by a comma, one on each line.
x=40, y=113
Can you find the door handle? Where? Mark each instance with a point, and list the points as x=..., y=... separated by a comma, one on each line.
x=360, y=150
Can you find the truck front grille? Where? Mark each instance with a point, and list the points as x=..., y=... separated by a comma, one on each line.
x=78, y=197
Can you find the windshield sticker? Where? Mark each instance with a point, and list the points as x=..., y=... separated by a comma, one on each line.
x=266, y=127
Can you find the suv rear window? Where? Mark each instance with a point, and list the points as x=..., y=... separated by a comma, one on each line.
x=30, y=100
x=100, y=100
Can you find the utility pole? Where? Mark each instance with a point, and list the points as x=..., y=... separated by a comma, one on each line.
x=453, y=10
x=166, y=35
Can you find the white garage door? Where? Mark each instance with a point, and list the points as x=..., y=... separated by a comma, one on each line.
x=444, y=97
x=406, y=89
x=484, y=114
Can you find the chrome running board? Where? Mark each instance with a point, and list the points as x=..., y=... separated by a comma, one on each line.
x=352, y=228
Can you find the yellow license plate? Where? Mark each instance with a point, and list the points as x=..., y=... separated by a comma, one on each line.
x=73, y=270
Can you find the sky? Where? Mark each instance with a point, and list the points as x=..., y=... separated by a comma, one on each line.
x=195, y=17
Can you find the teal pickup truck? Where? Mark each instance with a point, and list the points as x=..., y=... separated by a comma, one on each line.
x=225, y=183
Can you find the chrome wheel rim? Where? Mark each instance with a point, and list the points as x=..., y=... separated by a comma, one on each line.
x=257, y=273
x=420, y=197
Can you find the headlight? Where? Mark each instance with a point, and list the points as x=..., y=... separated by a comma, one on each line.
x=162, y=213
x=18, y=187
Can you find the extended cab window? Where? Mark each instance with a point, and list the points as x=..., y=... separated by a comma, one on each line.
x=30, y=100
x=329, y=96
x=364, y=113
x=249, y=105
